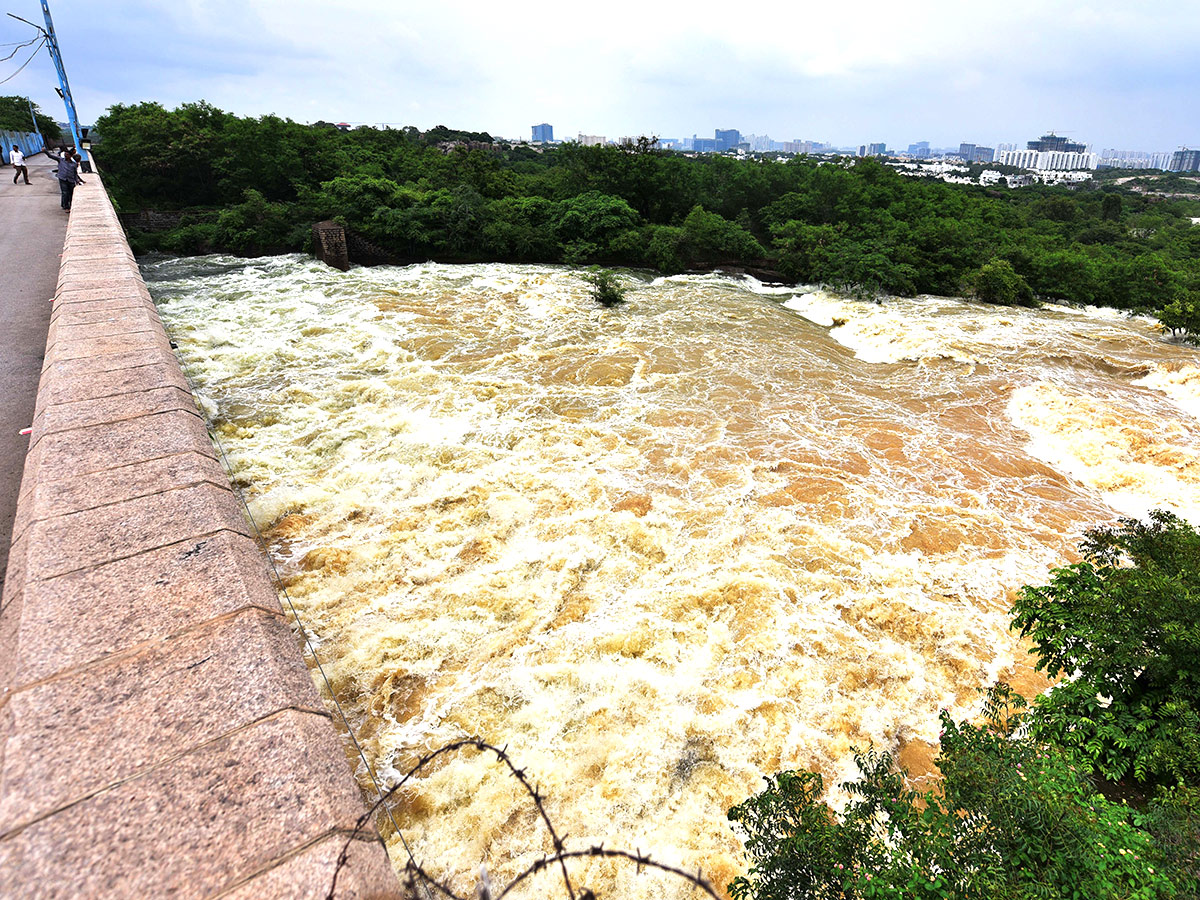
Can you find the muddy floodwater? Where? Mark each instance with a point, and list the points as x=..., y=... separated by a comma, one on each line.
x=662, y=550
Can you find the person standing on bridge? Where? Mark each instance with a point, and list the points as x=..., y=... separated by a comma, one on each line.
x=68, y=174
x=17, y=158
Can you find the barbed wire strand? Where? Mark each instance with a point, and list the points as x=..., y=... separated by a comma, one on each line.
x=641, y=859
x=502, y=754
x=560, y=855
x=304, y=633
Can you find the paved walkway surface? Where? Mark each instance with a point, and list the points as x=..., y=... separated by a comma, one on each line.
x=32, y=229
x=160, y=735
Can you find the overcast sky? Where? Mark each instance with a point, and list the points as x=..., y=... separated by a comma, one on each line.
x=1114, y=74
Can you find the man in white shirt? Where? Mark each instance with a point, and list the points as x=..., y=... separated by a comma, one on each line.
x=17, y=158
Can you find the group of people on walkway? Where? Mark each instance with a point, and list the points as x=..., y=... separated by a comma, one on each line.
x=68, y=160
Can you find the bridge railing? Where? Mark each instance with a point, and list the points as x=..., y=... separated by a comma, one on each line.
x=29, y=142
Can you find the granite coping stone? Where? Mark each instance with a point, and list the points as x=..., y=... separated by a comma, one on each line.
x=128, y=602
x=68, y=416
x=68, y=454
x=68, y=370
x=51, y=497
x=71, y=267
x=151, y=375
x=152, y=704
x=77, y=314
x=14, y=574
x=70, y=330
x=104, y=248
x=92, y=537
x=129, y=290
x=76, y=290
x=195, y=824
x=99, y=306
x=146, y=342
x=367, y=875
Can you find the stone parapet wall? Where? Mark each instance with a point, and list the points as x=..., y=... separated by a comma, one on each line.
x=160, y=734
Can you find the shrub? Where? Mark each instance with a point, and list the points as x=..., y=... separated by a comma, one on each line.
x=1016, y=819
x=607, y=289
x=1124, y=626
x=997, y=282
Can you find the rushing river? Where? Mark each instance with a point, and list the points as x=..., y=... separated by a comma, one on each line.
x=662, y=550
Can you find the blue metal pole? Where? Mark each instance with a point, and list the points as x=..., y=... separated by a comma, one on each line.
x=52, y=43
x=41, y=141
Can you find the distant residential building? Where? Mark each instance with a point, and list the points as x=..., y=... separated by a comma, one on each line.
x=966, y=152
x=543, y=133
x=704, y=145
x=1134, y=159
x=1185, y=161
x=1048, y=160
x=727, y=139
x=761, y=143
x=920, y=149
x=591, y=140
x=1053, y=142
x=1020, y=159
x=876, y=150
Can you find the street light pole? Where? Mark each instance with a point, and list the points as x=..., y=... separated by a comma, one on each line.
x=52, y=43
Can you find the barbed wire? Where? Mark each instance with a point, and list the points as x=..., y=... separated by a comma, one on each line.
x=560, y=855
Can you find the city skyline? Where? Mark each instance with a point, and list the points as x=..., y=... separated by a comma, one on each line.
x=1102, y=71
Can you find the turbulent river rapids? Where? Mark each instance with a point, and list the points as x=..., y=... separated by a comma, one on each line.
x=662, y=550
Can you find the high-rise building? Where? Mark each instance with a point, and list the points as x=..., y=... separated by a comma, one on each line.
x=543, y=132
x=876, y=150
x=591, y=140
x=704, y=145
x=727, y=139
x=966, y=152
x=1044, y=160
x=920, y=149
x=1052, y=141
x=1185, y=160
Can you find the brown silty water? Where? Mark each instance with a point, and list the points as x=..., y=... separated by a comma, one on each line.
x=663, y=550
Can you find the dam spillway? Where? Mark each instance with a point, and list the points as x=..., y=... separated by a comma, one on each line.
x=661, y=551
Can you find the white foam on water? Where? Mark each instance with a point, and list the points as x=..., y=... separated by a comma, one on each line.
x=658, y=551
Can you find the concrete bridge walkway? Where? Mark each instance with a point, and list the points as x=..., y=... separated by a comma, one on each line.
x=32, y=229
x=160, y=735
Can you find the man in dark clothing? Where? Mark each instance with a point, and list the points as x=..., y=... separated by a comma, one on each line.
x=68, y=174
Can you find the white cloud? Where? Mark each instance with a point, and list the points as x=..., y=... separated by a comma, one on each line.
x=849, y=72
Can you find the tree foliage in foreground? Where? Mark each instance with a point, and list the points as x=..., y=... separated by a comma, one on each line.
x=1017, y=814
x=1123, y=627
x=1016, y=819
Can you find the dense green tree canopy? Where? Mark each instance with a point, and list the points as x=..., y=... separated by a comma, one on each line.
x=14, y=116
x=458, y=195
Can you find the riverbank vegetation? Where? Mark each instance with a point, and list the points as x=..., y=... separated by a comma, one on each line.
x=1092, y=791
x=253, y=186
x=15, y=116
